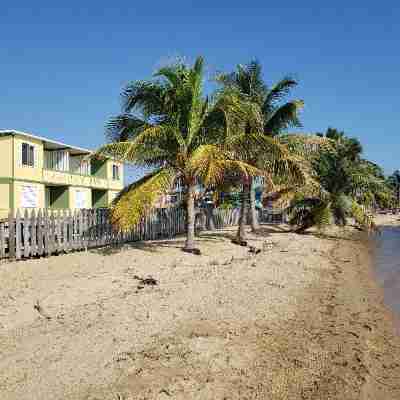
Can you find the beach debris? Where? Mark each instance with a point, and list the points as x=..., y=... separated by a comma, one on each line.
x=239, y=242
x=254, y=250
x=145, y=281
x=196, y=252
x=40, y=310
x=366, y=326
x=165, y=391
x=268, y=245
x=227, y=262
x=274, y=284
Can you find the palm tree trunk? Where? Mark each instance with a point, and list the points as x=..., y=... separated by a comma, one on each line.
x=241, y=233
x=253, y=212
x=189, y=245
x=210, y=217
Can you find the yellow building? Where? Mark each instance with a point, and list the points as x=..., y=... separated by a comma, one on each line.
x=36, y=172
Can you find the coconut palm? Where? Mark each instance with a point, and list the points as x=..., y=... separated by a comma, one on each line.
x=345, y=188
x=168, y=125
x=394, y=182
x=276, y=115
x=352, y=145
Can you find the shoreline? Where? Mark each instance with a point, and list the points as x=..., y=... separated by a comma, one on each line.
x=377, y=352
x=304, y=319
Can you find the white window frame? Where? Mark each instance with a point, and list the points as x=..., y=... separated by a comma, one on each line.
x=115, y=172
x=30, y=156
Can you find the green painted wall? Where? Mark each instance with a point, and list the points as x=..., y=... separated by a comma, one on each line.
x=99, y=168
x=99, y=198
x=57, y=197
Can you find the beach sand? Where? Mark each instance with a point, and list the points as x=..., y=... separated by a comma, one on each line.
x=303, y=319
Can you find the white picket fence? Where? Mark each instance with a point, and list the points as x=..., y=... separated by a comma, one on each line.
x=46, y=232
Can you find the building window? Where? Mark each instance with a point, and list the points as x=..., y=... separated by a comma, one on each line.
x=115, y=172
x=80, y=199
x=28, y=155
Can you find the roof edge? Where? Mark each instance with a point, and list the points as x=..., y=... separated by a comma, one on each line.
x=4, y=132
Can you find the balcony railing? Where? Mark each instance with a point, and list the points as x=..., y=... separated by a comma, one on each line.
x=62, y=161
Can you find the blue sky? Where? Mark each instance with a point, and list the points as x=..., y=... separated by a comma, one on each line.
x=62, y=68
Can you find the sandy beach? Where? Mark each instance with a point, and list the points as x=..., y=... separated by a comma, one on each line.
x=302, y=319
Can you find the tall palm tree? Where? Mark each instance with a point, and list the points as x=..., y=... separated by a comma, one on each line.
x=276, y=116
x=167, y=124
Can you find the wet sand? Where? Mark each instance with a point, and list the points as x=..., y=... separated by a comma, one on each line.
x=303, y=319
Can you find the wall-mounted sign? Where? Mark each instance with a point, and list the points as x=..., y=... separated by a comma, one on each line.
x=29, y=196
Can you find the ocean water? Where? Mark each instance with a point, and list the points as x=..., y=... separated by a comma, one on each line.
x=387, y=265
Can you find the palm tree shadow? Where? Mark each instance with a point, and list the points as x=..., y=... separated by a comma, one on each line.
x=265, y=230
x=154, y=245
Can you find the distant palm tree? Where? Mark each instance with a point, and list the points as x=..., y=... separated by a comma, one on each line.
x=352, y=145
x=394, y=182
x=276, y=117
x=167, y=124
x=344, y=188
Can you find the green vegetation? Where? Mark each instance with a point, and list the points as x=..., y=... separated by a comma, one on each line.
x=225, y=140
x=167, y=124
x=256, y=141
x=344, y=185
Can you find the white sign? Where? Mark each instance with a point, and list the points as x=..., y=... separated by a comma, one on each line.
x=29, y=196
x=80, y=199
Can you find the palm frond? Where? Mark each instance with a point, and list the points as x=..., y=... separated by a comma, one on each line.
x=139, y=198
x=283, y=117
x=278, y=91
x=361, y=217
x=124, y=127
x=145, y=96
x=211, y=163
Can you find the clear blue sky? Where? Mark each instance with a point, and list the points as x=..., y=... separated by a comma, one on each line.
x=62, y=67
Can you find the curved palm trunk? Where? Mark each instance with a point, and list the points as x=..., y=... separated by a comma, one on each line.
x=241, y=233
x=253, y=212
x=190, y=218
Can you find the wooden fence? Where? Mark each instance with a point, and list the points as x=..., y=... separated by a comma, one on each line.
x=47, y=232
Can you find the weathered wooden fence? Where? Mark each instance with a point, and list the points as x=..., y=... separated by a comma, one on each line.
x=45, y=232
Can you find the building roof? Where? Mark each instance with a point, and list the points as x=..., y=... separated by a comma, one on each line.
x=49, y=143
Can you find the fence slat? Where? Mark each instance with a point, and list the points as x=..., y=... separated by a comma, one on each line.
x=11, y=235
x=25, y=234
x=18, y=236
x=33, y=223
x=57, y=221
x=2, y=240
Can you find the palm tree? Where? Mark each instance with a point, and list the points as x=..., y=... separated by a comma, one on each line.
x=168, y=125
x=394, y=182
x=352, y=145
x=345, y=187
x=276, y=118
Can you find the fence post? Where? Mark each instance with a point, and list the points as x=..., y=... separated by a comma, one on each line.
x=2, y=241
x=58, y=222
x=25, y=233
x=33, y=233
x=39, y=238
x=18, y=236
x=11, y=235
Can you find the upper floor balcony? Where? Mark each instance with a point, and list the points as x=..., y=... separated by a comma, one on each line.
x=68, y=168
